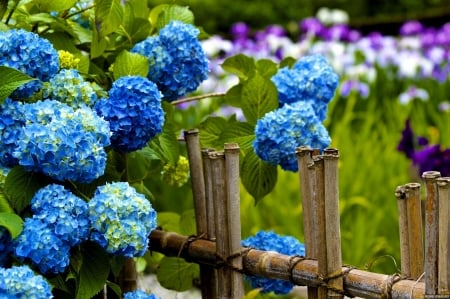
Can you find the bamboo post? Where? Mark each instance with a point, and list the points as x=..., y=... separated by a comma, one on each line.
x=431, y=233
x=221, y=217
x=211, y=273
x=415, y=229
x=321, y=222
x=198, y=191
x=306, y=176
x=405, y=259
x=332, y=230
x=234, y=217
x=357, y=283
x=444, y=209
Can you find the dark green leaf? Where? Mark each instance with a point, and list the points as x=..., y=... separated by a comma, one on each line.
x=258, y=177
x=288, y=62
x=130, y=64
x=174, y=12
x=187, y=223
x=177, y=274
x=240, y=65
x=116, y=263
x=259, y=96
x=241, y=133
x=108, y=16
x=211, y=130
x=94, y=271
x=11, y=80
x=12, y=222
x=20, y=186
x=234, y=95
x=166, y=145
x=115, y=288
x=54, y=5
x=138, y=166
x=266, y=68
x=3, y=8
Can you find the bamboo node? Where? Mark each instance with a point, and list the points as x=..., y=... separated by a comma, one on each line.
x=187, y=243
x=293, y=262
x=390, y=281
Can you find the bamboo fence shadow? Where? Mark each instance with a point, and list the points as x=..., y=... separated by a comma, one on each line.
x=223, y=261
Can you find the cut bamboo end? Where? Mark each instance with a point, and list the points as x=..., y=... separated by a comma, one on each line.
x=403, y=225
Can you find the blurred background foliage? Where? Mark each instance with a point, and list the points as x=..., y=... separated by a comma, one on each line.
x=386, y=16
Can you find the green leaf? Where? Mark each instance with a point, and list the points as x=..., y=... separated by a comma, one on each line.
x=11, y=80
x=94, y=271
x=210, y=132
x=12, y=222
x=108, y=16
x=3, y=8
x=98, y=45
x=288, y=62
x=115, y=288
x=266, y=68
x=241, y=133
x=240, y=65
x=259, y=96
x=172, y=13
x=258, y=177
x=130, y=64
x=155, y=12
x=138, y=8
x=177, y=274
x=138, y=166
x=169, y=221
x=234, y=95
x=4, y=204
x=20, y=186
x=187, y=223
x=54, y=5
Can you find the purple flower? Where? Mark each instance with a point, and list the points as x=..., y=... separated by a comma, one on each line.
x=356, y=86
x=433, y=158
x=413, y=93
x=412, y=27
x=312, y=26
x=240, y=30
x=409, y=141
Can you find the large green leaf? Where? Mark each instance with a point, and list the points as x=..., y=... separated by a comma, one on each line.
x=108, y=16
x=258, y=177
x=211, y=130
x=174, y=12
x=177, y=274
x=240, y=65
x=11, y=80
x=54, y=5
x=3, y=8
x=234, y=95
x=241, y=133
x=169, y=221
x=130, y=64
x=94, y=271
x=12, y=222
x=266, y=67
x=187, y=223
x=20, y=186
x=4, y=204
x=98, y=45
x=259, y=96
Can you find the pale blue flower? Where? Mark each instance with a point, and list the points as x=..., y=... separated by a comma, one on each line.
x=139, y=294
x=22, y=282
x=11, y=122
x=121, y=219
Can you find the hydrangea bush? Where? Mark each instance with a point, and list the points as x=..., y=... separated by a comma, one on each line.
x=94, y=98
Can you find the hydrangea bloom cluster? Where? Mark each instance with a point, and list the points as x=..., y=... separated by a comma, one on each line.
x=30, y=54
x=310, y=79
x=67, y=60
x=270, y=241
x=280, y=132
x=134, y=112
x=22, y=282
x=178, y=63
x=11, y=122
x=69, y=87
x=60, y=221
x=139, y=294
x=121, y=219
x=63, y=143
x=176, y=175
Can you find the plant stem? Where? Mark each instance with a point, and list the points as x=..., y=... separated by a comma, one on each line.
x=16, y=3
x=200, y=97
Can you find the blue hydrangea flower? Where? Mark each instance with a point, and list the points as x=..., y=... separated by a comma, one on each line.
x=39, y=244
x=5, y=245
x=311, y=79
x=270, y=241
x=11, y=122
x=280, y=132
x=64, y=213
x=69, y=87
x=178, y=63
x=139, y=294
x=63, y=143
x=121, y=219
x=22, y=282
x=134, y=112
x=30, y=54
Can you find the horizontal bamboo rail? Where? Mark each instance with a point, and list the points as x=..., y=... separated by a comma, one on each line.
x=356, y=283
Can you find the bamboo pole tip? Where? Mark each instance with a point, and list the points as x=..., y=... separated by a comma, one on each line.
x=400, y=192
x=443, y=182
x=412, y=186
x=191, y=132
x=431, y=175
x=205, y=151
x=216, y=154
x=231, y=147
x=331, y=151
x=302, y=151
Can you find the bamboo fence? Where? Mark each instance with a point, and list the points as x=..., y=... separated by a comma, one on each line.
x=223, y=261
